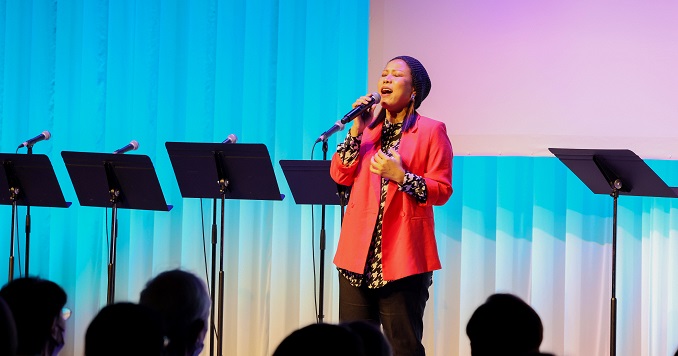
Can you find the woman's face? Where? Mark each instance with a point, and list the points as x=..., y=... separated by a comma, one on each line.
x=395, y=86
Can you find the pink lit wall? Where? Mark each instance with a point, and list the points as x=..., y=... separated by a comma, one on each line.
x=518, y=77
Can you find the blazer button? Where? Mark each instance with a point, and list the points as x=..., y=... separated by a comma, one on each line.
x=402, y=213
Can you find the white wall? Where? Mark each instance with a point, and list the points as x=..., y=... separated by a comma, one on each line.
x=518, y=77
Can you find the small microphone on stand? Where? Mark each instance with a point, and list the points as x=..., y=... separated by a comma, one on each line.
x=45, y=135
x=133, y=145
x=232, y=138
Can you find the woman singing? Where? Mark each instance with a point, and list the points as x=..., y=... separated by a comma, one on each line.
x=399, y=165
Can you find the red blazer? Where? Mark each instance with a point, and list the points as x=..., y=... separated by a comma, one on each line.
x=408, y=239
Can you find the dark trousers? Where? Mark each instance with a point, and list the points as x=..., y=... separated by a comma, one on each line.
x=398, y=307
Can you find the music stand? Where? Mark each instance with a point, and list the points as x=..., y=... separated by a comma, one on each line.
x=30, y=181
x=614, y=172
x=310, y=183
x=222, y=171
x=115, y=181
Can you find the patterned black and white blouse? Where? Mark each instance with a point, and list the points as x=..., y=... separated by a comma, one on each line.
x=413, y=185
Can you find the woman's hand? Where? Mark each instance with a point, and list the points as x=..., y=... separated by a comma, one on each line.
x=360, y=123
x=388, y=167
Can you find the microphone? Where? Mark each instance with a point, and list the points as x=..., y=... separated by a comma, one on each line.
x=357, y=111
x=133, y=145
x=375, y=99
x=232, y=138
x=45, y=135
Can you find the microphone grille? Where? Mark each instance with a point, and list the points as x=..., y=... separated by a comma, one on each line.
x=376, y=97
x=134, y=144
x=232, y=138
x=46, y=134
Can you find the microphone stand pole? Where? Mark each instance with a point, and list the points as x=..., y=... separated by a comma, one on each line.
x=223, y=186
x=220, y=327
x=28, y=224
x=114, y=192
x=213, y=288
x=321, y=291
x=13, y=196
x=616, y=186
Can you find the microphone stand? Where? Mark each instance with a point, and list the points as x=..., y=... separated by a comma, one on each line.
x=213, y=287
x=28, y=223
x=114, y=193
x=321, y=290
x=223, y=186
x=343, y=196
x=14, y=191
x=616, y=186
x=13, y=197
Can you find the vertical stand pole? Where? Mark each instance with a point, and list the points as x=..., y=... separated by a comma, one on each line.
x=13, y=197
x=28, y=225
x=321, y=290
x=114, y=196
x=14, y=191
x=321, y=294
x=616, y=185
x=213, y=282
x=110, y=296
x=220, y=325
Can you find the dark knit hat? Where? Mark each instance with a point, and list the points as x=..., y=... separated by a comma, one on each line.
x=420, y=79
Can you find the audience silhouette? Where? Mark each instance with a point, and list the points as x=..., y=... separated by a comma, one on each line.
x=173, y=313
x=183, y=303
x=125, y=329
x=36, y=305
x=321, y=339
x=505, y=325
x=373, y=339
x=7, y=331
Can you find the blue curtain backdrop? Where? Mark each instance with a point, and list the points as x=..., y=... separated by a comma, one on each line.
x=99, y=73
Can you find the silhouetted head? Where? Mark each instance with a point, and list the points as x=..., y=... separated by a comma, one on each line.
x=321, y=339
x=36, y=306
x=373, y=339
x=124, y=329
x=8, y=340
x=504, y=325
x=183, y=303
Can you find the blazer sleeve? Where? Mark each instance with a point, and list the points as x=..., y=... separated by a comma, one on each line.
x=342, y=174
x=438, y=173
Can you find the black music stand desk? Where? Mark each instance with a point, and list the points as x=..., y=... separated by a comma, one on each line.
x=28, y=180
x=614, y=172
x=246, y=169
x=222, y=171
x=310, y=182
x=114, y=181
